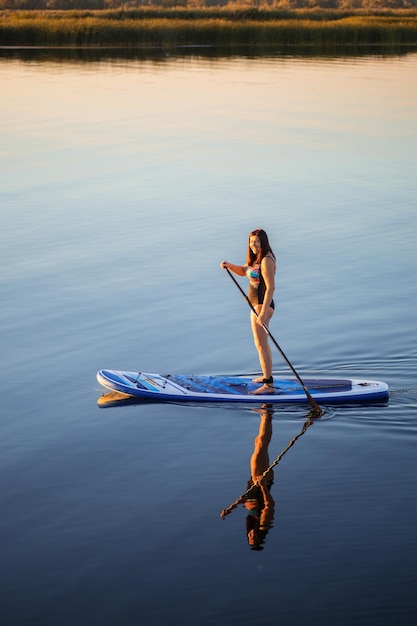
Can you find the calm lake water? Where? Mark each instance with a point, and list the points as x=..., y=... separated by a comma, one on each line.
x=124, y=183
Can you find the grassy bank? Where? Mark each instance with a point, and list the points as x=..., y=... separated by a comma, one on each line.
x=179, y=27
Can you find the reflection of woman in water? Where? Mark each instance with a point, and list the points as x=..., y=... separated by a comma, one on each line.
x=257, y=499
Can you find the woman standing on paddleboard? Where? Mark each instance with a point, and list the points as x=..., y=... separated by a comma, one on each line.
x=260, y=269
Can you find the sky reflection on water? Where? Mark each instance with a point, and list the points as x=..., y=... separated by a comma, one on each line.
x=123, y=186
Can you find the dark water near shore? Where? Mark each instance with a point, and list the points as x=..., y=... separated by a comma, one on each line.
x=124, y=183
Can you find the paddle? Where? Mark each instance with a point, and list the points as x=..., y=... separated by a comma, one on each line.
x=311, y=400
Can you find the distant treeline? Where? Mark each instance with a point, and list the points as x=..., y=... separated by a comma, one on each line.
x=364, y=5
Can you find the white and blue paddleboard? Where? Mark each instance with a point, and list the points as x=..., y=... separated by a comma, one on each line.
x=179, y=388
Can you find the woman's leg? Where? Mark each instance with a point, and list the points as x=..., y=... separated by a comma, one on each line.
x=260, y=337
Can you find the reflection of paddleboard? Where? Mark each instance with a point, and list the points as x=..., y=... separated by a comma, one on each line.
x=115, y=398
x=178, y=388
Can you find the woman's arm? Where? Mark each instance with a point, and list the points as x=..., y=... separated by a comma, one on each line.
x=268, y=274
x=240, y=270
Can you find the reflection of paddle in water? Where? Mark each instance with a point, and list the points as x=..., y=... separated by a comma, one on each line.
x=257, y=499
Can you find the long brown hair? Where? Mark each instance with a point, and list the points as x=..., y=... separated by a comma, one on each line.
x=265, y=247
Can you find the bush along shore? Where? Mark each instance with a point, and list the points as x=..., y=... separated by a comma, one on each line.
x=206, y=27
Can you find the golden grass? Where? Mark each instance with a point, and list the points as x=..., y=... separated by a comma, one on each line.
x=218, y=27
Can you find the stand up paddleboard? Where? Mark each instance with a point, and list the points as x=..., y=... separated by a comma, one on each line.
x=179, y=388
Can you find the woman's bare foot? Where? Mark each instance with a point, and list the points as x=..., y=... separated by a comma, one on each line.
x=264, y=390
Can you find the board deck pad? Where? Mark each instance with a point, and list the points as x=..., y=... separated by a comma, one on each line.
x=221, y=388
x=212, y=384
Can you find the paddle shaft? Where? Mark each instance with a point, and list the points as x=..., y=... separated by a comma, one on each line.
x=311, y=400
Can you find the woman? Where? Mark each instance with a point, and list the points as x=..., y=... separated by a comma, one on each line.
x=260, y=269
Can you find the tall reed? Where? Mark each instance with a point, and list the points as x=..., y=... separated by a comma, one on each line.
x=202, y=27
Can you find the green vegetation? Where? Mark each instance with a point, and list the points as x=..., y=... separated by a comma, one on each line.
x=222, y=26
